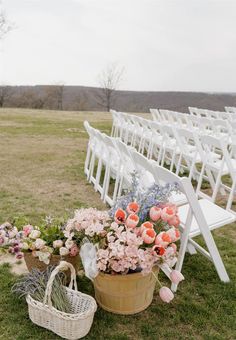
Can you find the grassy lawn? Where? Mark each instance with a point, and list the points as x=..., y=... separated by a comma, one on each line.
x=41, y=173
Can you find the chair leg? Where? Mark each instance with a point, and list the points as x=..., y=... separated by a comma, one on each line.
x=98, y=175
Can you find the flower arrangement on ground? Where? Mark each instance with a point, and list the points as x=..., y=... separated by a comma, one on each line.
x=41, y=241
x=138, y=233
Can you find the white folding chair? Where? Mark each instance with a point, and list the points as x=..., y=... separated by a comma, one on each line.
x=198, y=217
x=156, y=115
x=127, y=166
x=230, y=109
x=190, y=152
x=220, y=166
x=112, y=170
x=157, y=140
x=93, y=143
x=145, y=169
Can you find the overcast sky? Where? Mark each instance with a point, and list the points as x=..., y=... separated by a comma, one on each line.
x=180, y=45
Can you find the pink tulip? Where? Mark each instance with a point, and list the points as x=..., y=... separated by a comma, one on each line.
x=166, y=294
x=148, y=236
x=158, y=250
x=176, y=276
x=174, y=234
x=132, y=221
x=168, y=213
x=155, y=213
x=133, y=208
x=173, y=245
x=146, y=225
x=120, y=216
x=175, y=221
x=163, y=239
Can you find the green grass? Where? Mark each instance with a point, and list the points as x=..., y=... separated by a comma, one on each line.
x=41, y=173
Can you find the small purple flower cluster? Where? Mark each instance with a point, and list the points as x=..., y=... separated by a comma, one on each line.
x=10, y=237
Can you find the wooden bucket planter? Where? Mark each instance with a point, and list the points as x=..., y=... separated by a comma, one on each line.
x=34, y=262
x=125, y=294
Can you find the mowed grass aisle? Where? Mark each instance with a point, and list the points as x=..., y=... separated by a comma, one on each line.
x=41, y=173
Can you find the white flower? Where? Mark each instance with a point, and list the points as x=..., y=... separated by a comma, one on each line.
x=39, y=243
x=69, y=244
x=64, y=251
x=43, y=256
x=35, y=234
x=13, y=232
x=2, y=233
x=57, y=244
x=25, y=246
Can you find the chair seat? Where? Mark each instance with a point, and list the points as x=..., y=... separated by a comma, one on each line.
x=178, y=199
x=217, y=166
x=215, y=216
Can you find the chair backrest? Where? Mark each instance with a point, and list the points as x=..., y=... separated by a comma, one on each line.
x=124, y=152
x=218, y=161
x=156, y=115
x=230, y=109
x=194, y=111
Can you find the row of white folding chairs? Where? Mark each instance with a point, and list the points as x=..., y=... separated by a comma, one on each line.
x=230, y=109
x=133, y=129
x=106, y=160
x=197, y=216
x=193, y=122
x=124, y=124
x=181, y=148
x=211, y=114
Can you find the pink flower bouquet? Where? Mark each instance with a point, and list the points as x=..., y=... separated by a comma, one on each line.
x=125, y=244
x=42, y=242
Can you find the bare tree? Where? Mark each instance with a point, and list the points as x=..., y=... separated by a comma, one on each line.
x=29, y=98
x=80, y=101
x=5, y=25
x=55, y=96
x=109, y=81
x=5, y=94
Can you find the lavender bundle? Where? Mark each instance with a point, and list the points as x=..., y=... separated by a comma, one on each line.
x=35, y=283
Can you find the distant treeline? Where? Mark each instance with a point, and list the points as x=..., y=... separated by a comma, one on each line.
x=79, y=98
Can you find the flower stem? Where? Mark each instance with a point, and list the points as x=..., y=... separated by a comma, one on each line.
x=156, y=279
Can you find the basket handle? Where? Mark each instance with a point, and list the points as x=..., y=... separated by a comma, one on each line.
x=63, y=265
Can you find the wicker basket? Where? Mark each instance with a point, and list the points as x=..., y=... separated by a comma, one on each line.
x=69, y=326
x=125, y=294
